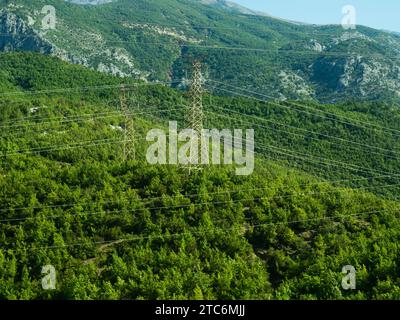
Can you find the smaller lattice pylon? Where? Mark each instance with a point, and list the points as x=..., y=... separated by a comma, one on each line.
x=128, y=152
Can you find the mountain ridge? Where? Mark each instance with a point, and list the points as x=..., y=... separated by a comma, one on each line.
x=154, y=41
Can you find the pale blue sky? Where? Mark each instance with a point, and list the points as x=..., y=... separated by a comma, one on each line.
x=380, y=14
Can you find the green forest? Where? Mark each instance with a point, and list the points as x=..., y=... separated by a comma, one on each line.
x=323, y=194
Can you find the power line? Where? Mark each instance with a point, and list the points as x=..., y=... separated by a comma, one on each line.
x=300, y=135
x=278, y=51
x=97, y=143
x=227, y=110
x=181, y=206
x=33, y=121
x=345, y=165
x=68, y=147
x=308, y=156
x=65, y=147
x=391, y=175
x=217, y=192
x=303, y=129
x=254, y=226
x=73, y=89
x=292, y=155
x=89, y=118
x=280, y=105
x=82, y=144
x=107, y=141
x=297, y=129
x=325, y=160
x=129, y=132
x=266, y=120
x=305, y=106
x=349, y=141
x=290, y=51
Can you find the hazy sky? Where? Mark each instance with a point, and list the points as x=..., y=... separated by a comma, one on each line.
x=380, y=14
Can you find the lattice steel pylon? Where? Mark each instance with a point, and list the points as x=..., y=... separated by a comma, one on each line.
x=195, y=115
x=129, y=130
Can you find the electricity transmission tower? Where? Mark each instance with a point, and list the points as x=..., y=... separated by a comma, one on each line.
x=129, y=130
x=195, y=115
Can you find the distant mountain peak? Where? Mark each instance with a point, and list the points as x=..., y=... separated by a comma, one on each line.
x=233, y=7
x=237, y=8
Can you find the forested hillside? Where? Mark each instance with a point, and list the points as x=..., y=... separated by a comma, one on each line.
x=117, y=229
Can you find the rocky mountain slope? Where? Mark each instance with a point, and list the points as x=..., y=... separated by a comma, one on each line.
x=156, y=40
